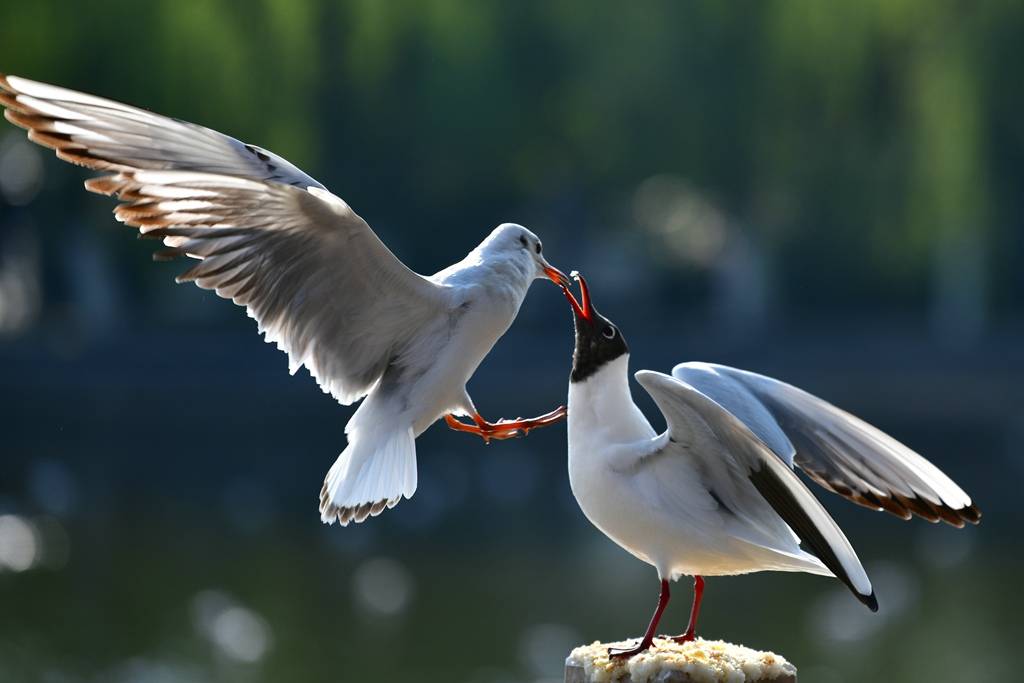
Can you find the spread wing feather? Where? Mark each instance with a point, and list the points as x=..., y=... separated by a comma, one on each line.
x=267, y=236
x=106, y=135
x=308, y=269
x=836, y=449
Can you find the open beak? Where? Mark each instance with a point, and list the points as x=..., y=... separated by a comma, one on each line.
x=557, y=276
x=582, y=308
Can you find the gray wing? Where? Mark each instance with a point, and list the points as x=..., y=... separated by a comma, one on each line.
x=836, y=449
x=742, y=462
x=103, y=134
x=310, y=271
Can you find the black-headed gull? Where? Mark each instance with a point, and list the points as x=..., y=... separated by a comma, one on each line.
x=715, y=493
x=311, y=272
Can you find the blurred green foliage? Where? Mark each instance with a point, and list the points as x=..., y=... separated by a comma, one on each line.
x=847, y=139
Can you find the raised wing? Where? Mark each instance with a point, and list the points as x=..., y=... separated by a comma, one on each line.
x=310, y=271
x=839, y=451
x=732, y=457
x=102, y=134
x=305, y=266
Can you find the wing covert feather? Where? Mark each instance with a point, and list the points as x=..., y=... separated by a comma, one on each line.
x=836, y=449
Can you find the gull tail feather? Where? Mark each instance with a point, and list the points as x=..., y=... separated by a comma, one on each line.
x=375, y=471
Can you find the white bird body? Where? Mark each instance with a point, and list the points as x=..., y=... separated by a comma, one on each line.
x=715, y=493
x=316, y=278
x=482, y=295
x=658, y=507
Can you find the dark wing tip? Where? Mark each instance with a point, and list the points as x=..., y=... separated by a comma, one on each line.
x=940, y=512
x=329, y=512
x=970, y=514
x=40, y=131
x=108, y=185
x=920, y=507
x=904, y=507
x=789, y=509
x=890, y=505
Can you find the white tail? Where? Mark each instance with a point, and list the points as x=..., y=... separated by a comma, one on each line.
x=375, y=471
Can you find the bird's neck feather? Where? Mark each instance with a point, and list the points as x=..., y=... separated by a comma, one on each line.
x=603, y=403
x=490, y=267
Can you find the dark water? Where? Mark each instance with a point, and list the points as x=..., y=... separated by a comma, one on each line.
x=169, y=485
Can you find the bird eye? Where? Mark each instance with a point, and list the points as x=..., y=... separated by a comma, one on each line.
x=608, y=332
x=538, y=247
x=522, y=241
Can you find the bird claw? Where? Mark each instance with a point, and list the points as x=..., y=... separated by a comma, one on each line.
x=502, y=434
x=487, y=431
x=626, y=653
x=505, y=428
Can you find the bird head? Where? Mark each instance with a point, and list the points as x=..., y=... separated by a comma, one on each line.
x=524, y=247
x=598, y=340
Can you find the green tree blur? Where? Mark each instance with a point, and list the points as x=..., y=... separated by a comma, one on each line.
x=867, y=148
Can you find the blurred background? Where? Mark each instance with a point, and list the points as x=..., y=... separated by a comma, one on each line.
x=829, y=193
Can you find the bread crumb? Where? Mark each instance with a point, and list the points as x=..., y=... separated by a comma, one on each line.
x=700, y=661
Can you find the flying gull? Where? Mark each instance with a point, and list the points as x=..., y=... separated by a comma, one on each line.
x=316, y=278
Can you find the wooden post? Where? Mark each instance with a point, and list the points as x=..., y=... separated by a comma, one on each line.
x=670, y=662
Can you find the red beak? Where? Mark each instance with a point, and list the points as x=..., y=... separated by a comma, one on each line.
x=581, y=308
x=557, y=276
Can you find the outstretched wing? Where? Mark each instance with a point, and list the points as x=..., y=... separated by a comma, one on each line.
x=733, y=459
x=310, y=271
x=103, y=134
x=839, y=451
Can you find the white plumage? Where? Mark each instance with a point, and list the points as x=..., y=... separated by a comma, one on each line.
x=715, y=493
x=310, y=271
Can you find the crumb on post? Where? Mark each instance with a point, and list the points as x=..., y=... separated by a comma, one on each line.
x=701, y=661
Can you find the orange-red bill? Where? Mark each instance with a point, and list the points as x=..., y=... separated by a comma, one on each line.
x=557, y=276
x=581, y=308
x=588, y=309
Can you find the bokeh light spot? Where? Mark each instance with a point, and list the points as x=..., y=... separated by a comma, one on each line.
x=382, y=587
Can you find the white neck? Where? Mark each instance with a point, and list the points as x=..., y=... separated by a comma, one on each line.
x=601, y=408
x=486, y=266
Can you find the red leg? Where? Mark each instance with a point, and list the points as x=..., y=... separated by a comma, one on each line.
x=698, y=595
x=505, y=429
x=648, y=638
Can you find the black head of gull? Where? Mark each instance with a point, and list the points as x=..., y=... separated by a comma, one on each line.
x=598, y=340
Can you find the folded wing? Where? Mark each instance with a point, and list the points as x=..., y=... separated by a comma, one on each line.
x=742, y=463
x=267, y=236
x=836, y=449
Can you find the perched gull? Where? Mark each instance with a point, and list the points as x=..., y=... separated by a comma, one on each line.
x=715, y=493
x=311, y=272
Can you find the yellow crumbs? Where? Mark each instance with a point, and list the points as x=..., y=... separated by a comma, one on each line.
x=702, y=661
